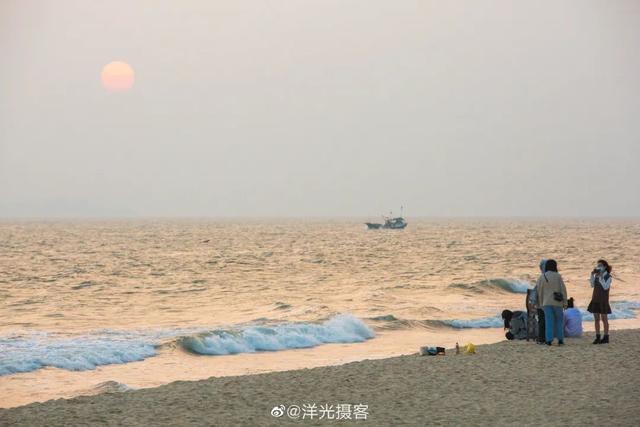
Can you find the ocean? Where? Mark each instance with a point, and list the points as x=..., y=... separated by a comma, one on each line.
x=108, y=306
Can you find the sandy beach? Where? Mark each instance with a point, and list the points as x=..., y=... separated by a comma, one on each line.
x=507, y=382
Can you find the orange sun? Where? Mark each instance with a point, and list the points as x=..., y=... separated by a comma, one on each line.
x=117, y=76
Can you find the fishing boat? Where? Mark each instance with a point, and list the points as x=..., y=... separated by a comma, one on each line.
x=390, y=222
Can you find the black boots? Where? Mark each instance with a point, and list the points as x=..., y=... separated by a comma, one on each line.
x=604, y=340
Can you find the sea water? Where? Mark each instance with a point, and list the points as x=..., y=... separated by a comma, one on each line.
x=140, y=303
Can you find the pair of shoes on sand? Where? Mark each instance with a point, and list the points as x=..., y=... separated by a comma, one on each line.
x=603, y=340
x=560, y=342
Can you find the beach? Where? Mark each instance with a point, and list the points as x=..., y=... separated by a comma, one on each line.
x=89, y=306
x=267, y=213
x=503, y=383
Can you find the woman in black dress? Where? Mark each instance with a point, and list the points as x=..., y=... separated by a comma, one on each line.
x=601, y=283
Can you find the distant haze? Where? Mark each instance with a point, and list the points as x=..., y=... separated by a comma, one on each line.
x=321, y=108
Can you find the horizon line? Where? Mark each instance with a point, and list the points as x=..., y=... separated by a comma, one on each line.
x=302, y=217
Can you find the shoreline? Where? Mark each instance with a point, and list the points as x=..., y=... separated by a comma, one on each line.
x=504, y=382
x=174, y=364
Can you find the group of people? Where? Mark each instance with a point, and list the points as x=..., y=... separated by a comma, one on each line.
x=550, y=314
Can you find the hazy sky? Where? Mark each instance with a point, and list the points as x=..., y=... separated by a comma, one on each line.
x=321, y=108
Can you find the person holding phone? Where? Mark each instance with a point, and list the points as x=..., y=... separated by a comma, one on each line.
x=600, y=281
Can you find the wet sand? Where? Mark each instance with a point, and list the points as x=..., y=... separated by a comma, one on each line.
x=504, y=383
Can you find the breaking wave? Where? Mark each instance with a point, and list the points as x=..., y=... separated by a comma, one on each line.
x=29, y=352
x=395, y=324
x=342, y=328
x=38, y=350
x=620, y=310
x=483, y=322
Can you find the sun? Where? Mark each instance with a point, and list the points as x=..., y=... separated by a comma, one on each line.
x=117, y=76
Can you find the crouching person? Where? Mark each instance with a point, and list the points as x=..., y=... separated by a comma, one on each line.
x=516, y=323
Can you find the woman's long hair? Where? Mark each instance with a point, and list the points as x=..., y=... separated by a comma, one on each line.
x=606, y=265
x=506, y=316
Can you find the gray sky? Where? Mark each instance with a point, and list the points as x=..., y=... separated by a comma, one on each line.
x=321, y=108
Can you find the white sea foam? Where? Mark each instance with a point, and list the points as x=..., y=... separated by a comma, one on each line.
x=619, y=309
x=342, y=328
x=484, y=322
x=24, y=353
x=34, y=351
x=518, y=286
